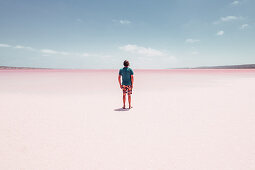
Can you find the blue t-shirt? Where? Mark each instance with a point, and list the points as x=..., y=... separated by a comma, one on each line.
x=126, y=73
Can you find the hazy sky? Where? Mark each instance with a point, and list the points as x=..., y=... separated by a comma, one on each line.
x=149, y=33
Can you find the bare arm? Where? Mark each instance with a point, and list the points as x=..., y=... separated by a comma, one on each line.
x=132, y=80
x=119, y=78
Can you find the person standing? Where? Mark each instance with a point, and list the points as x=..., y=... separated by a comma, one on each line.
x=127, y=83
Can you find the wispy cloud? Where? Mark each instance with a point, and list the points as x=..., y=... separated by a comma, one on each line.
x=234, y=3
x=191, y=40
x=228, y=19
x=24, y=47
x=85, y=54
x=220, y=33
x=149, y=56
x=5, y=45
x=244, y=26
x=123, y=22
x=18, y=47
x=46, y=52
x=142, y=50
x=49, y=51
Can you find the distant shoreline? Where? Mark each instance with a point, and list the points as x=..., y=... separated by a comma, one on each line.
x=243, y=66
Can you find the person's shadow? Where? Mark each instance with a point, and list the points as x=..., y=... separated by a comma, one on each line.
x=121, y=109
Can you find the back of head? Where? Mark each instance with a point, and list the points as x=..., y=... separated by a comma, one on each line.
x=126, y=63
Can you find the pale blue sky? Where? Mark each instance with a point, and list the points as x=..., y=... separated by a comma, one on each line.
x=149, y=33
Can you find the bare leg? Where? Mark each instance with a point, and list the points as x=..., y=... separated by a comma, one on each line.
x=129, y=100
x=124, y=100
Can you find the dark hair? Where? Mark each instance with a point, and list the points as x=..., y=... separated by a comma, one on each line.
x=126, y=63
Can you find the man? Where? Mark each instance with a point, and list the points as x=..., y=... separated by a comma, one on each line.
x=127, y=82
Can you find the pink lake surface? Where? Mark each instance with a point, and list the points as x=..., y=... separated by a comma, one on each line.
x=181, y=120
